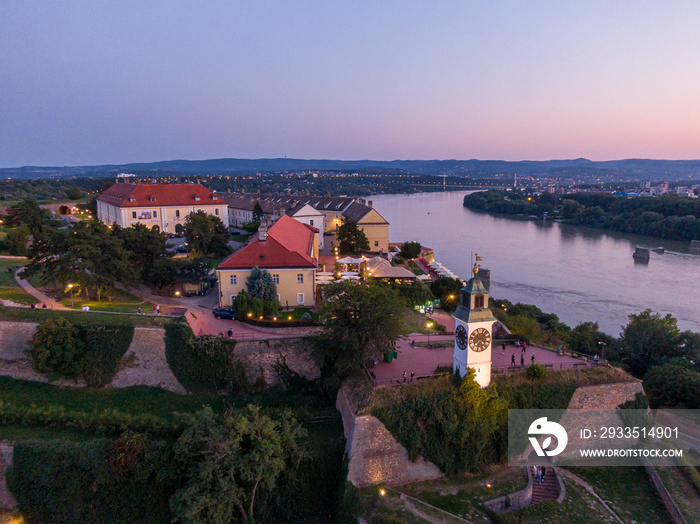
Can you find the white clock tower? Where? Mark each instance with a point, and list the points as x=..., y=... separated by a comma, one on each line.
x=473, y=323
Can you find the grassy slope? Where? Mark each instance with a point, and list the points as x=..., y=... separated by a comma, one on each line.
x=38, y=315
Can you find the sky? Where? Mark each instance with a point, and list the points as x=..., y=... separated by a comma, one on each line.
x=86, y=82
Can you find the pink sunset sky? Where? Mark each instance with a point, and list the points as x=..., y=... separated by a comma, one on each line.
x=92, y=83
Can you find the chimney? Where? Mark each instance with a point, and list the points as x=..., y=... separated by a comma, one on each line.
x=369, y=203
x=243, y=190
x=258, y=191
x=362, y=201
x=289, y=191
x=262, y=232
x=228, y=189
x=282, y=211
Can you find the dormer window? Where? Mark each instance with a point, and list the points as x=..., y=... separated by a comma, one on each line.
x=132, y=199
x=214, y=197
x=152, y=198
x=196, y=197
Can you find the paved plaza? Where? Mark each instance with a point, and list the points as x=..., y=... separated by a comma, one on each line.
x=423, y=361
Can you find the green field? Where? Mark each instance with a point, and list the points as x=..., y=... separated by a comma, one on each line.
x=39, y=315
x=9, y=288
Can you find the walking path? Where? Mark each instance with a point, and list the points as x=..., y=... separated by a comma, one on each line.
x=27, y=287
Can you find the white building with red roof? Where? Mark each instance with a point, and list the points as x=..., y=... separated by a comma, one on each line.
x=288, y=251
x=162, y=207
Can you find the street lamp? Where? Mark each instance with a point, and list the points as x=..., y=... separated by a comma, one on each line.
x=429, y=325
x=602, y=349
x=70, y=286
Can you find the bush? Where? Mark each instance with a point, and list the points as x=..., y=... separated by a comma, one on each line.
x=65, y=350
x=536, y=371
x=673, y=385
x=56, y=349
x=66, y=482
x=204, y=364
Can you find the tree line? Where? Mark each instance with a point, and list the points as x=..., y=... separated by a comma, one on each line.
x=669, y=216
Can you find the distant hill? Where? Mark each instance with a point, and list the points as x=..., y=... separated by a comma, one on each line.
x=578, y=169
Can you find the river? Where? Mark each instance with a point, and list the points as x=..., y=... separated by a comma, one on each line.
x=580, y=274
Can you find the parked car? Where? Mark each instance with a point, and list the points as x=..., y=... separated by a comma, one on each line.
x=225, y=312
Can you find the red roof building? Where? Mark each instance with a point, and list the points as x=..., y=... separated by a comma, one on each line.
x=288, y=250
x=159, y=206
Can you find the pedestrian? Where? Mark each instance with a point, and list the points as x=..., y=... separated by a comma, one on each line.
x=413, y=342
x=154, y=309
x=524, y=346
x=532, y=359
x=404, y=377
x=512, y=359
x=522, y=360
x=230, y=333
x=412, y=375
x=139, y=310
x=595, y=358
x=534, y=471
x=539, y=474
x=158, y=310
x=544, y=471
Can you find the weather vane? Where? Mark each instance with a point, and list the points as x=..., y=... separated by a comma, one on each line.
x=477, y=258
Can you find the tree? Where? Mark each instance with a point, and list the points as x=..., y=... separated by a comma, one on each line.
x=649, y=339
x=260, y=284
x=206, y=234
x=673, y=385
x=258, y=214
x=228, y=463
x=251, y=227
x=410, y=250
x=351, y=239
x=145, y=246
x=74, y=193
x=448, y=291
x=584, y=338
x=29, y=213
x=16, y=240
x=361, y=323
x=87, y=254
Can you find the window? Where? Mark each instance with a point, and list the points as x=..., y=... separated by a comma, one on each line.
x=300, y=278
x=479, y=301
x=216, y=211
x=300, y=298
x=177, y=213
x=312, y=222
x=152, y=199
x=196, y=197
x=132, y=199
x=376, y=243
x=233, y=280
x=276, y=279
x=133, y=214
x=155, y=214
x=214, y=197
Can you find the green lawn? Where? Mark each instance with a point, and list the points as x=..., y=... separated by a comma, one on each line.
x=39, y=315
x=239, y=237
x=122, y=302
x=295, y=313
x=414, y=267
x=9, y=288
x=628, y=490
x=132, y=400
x=684, y=494
x=414, y=322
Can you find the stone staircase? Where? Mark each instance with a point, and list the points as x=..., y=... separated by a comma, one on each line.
x=547, y=490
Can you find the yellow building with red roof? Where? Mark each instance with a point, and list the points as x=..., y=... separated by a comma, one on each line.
x=288, y=250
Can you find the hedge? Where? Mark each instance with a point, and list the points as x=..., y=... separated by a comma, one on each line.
x=101, y=481
x=107, y=422
x=204, y=364
x=66, y=350
x=66, y=482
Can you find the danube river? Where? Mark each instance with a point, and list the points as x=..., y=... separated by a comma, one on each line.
x=578, y=273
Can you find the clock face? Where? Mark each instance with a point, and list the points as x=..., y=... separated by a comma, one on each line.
x=479, y=340
x=461, y=337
